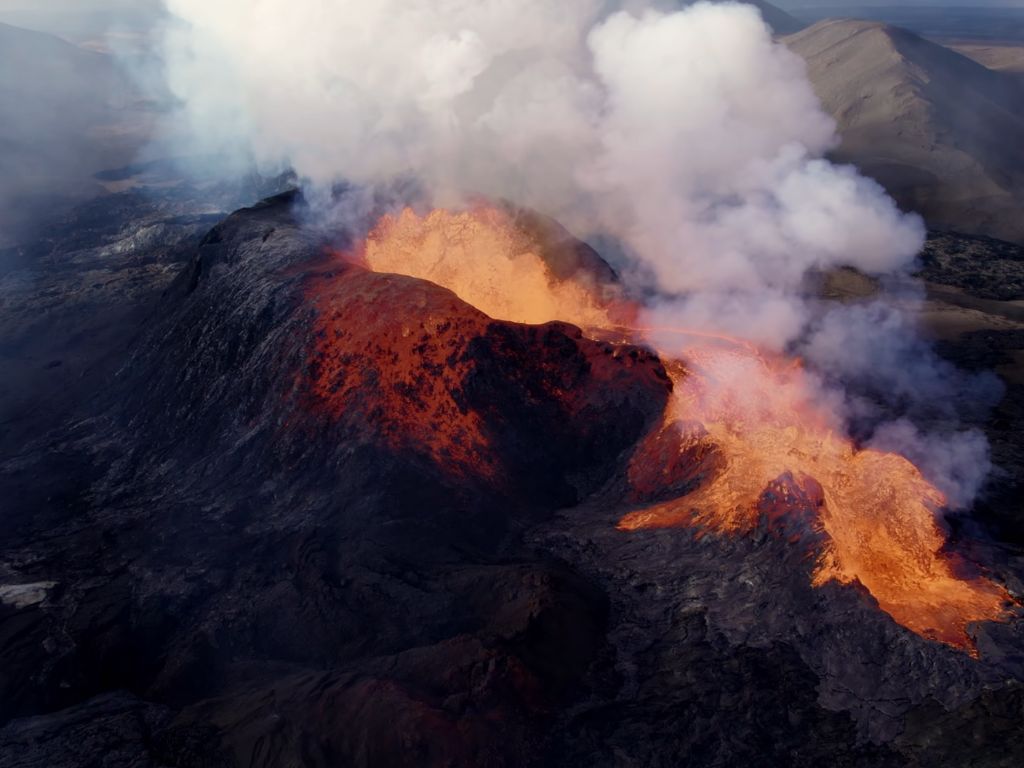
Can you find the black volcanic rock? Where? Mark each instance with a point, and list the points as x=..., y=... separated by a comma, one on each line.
x=306, y=351
x=233, y=536
x=566, y=257
x=980, y=266
x=247, y=549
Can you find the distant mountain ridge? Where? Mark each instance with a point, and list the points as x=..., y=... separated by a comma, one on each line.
x=67, y=113
x=941, y=132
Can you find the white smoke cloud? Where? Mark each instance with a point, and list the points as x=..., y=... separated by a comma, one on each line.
x=709, y=137
x=877, y=351
x=958, y=463
x=689, y=137
x=878, y=347
x=370, y=91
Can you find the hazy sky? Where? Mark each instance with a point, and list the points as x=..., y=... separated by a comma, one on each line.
x=81, y=21
x=77, y=6
x=90, y=22
x=85, y=6
x=67, y=9
x=789, y=4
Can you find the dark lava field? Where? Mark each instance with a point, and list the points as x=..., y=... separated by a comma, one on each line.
x=203, y=565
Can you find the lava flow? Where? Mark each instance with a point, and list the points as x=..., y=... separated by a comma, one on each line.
x=746, y=438
x=763, y=417
x=486, y=262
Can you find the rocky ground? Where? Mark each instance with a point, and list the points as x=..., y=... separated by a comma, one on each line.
x=978, y=266
x=220, y=549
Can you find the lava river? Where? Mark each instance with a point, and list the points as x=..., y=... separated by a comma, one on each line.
x=747, y=438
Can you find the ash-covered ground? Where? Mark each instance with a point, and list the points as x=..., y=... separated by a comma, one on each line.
x=202, y=566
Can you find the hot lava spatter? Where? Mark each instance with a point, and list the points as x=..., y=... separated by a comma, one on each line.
x=746, y=439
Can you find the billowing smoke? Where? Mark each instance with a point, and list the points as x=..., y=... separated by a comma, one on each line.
x=687, y=136
x=683, y=134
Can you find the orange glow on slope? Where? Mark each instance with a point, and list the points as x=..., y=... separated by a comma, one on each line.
x=745, y=438
x=484, y=260
x=401, y=377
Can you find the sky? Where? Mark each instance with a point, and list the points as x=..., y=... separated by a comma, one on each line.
x=77, y=6
x=88, y=6
x=84, y=20
x=791, y=4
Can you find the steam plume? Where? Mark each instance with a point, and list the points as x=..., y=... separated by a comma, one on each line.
x=689, y=137
x=685, y=134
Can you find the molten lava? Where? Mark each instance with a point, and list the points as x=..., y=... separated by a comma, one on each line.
x=747, y=438
x=486, y=261
x=765, y=421
x=404, y=364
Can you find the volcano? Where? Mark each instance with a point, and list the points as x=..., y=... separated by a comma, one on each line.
x=349, y=502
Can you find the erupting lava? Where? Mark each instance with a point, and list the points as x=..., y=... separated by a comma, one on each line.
x=763, y=419
x=746, y=437
x=486, y=261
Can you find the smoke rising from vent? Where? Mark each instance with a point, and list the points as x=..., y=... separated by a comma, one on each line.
x=688, y=137
x=691, y=136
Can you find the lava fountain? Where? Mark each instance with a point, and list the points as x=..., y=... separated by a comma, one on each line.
x=748, y=436
x=487, y=262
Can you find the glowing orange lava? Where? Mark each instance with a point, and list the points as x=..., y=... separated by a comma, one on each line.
x=486, y=261
x=766, y=422
x=745, y=435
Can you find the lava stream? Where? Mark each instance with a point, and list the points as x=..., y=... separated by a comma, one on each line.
x=876, y=509
x=743, y=425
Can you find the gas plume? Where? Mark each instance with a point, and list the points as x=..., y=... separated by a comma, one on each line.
x=687, y=137
x=691, y=136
